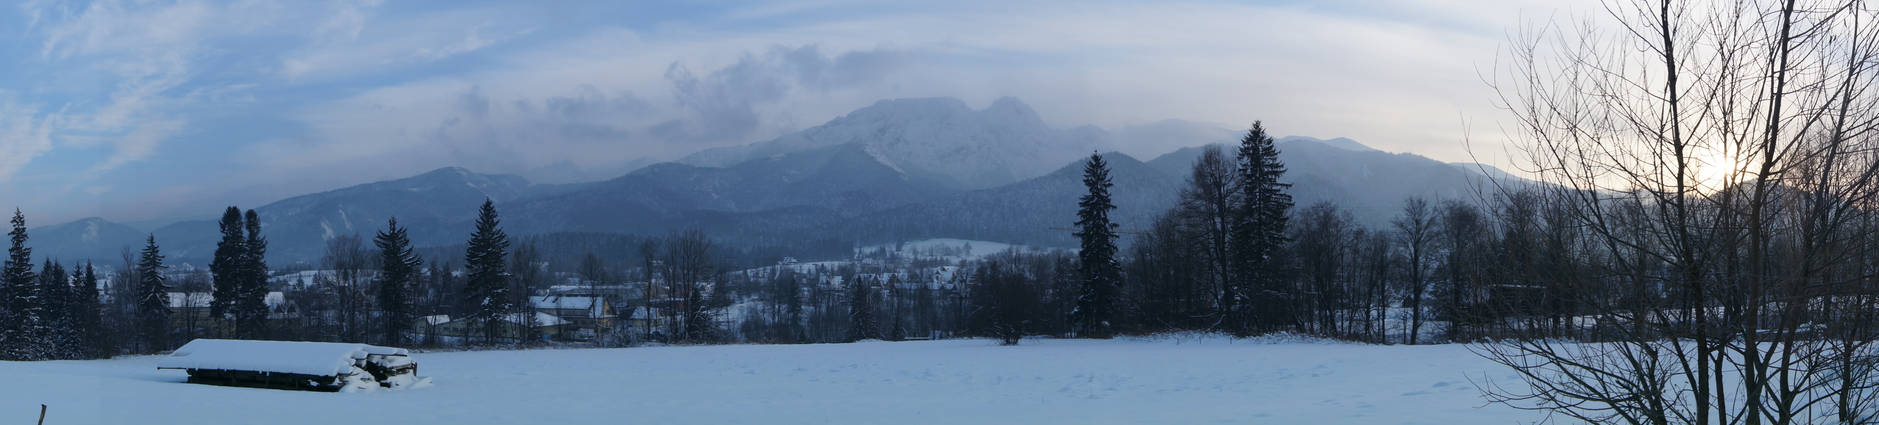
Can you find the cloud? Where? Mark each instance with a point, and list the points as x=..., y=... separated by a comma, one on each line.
x=530, y=116
x=146, y=51
x=112, y=27
x=306, y=95
x=357, y=41
x=139, y=142
x=722, y=106
x=25, y=133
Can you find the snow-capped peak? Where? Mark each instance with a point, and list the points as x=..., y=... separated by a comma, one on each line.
x=941, y=139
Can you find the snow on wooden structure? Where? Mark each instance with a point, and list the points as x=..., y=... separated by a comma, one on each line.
x=325, y=366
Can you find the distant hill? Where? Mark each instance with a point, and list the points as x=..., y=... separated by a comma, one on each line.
x=90, y=239
x=1036, y=212
x=834, y=181
x=1369, y=183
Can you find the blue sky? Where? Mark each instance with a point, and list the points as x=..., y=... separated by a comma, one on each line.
x=154, y=110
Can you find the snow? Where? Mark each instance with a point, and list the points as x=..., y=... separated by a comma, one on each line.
x=936, y=138
x=306, y=358
x=949, y=249
x=1169, y=380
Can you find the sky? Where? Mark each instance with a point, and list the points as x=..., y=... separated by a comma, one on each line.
x=150, y=110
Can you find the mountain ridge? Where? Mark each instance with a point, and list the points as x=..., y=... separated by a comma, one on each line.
x=817, y=184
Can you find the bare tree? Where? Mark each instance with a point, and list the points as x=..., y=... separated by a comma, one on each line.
x=1415, y=231
x=1718, y=154
x=1206, y=209
x=348, y=260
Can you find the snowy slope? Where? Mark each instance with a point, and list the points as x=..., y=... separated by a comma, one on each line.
x=936, y=138
x=941, y=382
x=93, y=239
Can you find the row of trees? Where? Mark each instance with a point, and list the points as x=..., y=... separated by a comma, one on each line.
x=58, y=313
x=241, y=275
x=1230, y=225
x=51, y=314
x=54, y=313
x=1242, y=211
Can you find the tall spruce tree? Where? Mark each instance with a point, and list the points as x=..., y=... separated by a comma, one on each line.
x=1258, y=279
x=1095, y=313
x=250, y=305
x=54, y=301
x=25, y=315
x=228, y=268
x=398, y=267
x=153, y=306
x=87, y=320
x=486, y=295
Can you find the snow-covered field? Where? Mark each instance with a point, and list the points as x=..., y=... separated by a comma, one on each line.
x=1160, y=381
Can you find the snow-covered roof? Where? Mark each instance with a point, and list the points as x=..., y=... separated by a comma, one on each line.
x=568, y=302
x=306, y=358
x=203, y=299
x=436, y=319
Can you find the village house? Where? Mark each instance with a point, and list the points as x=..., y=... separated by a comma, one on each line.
x=511, y=328
x=588, y=315
x=190, y=311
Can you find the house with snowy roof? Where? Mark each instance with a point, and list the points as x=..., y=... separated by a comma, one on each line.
x=512, y=326
x=190, y=311
x=586, y=312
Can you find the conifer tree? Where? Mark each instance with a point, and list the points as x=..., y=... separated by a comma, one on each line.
x=24, y=313
x=153, y=306
x=699, y=323
x=861, y=312
x=54, y=296
x=1095, y=313
x=398, y=266
x=227, y=269
x=1258, y=234
x=250, y=305
x=87, y=320
x=486, y=294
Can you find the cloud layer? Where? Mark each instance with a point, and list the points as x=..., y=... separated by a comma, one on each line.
x=145, y=110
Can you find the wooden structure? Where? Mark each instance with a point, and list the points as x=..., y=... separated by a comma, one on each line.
x=292, y=365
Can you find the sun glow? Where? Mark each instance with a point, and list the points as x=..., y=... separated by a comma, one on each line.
x=1715, y=169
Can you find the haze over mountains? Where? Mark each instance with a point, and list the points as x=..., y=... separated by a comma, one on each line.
x=897, y=170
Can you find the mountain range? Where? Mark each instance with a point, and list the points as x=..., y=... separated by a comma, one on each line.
x=897, y=170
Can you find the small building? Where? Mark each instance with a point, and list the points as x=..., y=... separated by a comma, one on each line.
x=510, y=328
x=190, y=311
x=590, y=313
